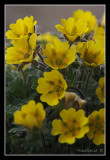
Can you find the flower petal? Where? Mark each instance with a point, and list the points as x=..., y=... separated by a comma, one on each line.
x=66, y=139
x=50, y=99
x=58, y=127
x=82, y=132
x=32, y=40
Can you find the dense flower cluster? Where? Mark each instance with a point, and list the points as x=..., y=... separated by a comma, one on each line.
x=23, y=38
x=57, y=56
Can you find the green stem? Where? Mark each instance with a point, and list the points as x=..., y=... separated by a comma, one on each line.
x=40, y=57
x=24, y=77
x=36, y=63
x=87, y=82
x=80, y=77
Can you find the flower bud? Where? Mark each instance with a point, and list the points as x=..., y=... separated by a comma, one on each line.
x=72, y=100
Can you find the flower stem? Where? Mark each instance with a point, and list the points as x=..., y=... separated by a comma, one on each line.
x=43, y=142
x=24, y=77
x=40, y=57
x=87, y=82
x=36, y=63
x=80, y=77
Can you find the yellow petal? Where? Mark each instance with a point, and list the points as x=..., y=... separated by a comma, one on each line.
x=29, y=59
x=11, y=35
x=70, y=25
x=43, y=87
x=50, y=99
x=90, y=135
x=58, y=127
x=60, y=28
x=64, y=22
x=30, y=24
x=87, y=17
x=18, y=118
x=81, y=27
x=102, y=113
x=47, y=52
x=68, y=115
x=99, y=139
x=102, y=81
x=21, y=44
x=29, y=108
x=66, y=139
x=72, y=54
x=13, y=56
x=82, y=132
x=19, y=27
x=40, y=111
x=32, y=40
x=93, y=115
x=54, y=74
x=30, y=122
x=80, y=117
x=48, y=62
x=100, y=95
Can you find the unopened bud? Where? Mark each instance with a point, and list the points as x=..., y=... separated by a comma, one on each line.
x=72, y=100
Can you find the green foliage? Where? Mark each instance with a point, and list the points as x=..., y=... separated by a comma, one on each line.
x=21, y=87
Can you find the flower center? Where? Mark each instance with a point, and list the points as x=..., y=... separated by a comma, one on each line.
x=73, y=129
x=89, y=56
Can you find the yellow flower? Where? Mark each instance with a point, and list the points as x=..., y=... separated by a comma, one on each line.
x=99, y=36
x=73, y=100
x=72, y=28
x=22, y=51
x=59, y=55
x=31, y=115
x=96, y=127
x=87, y=17
x=71, y=126
x=21, y=27
x=100, y=90
x=52, y=87
x=91, y=53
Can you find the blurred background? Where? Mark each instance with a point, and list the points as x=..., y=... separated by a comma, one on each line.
x=47, y=16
